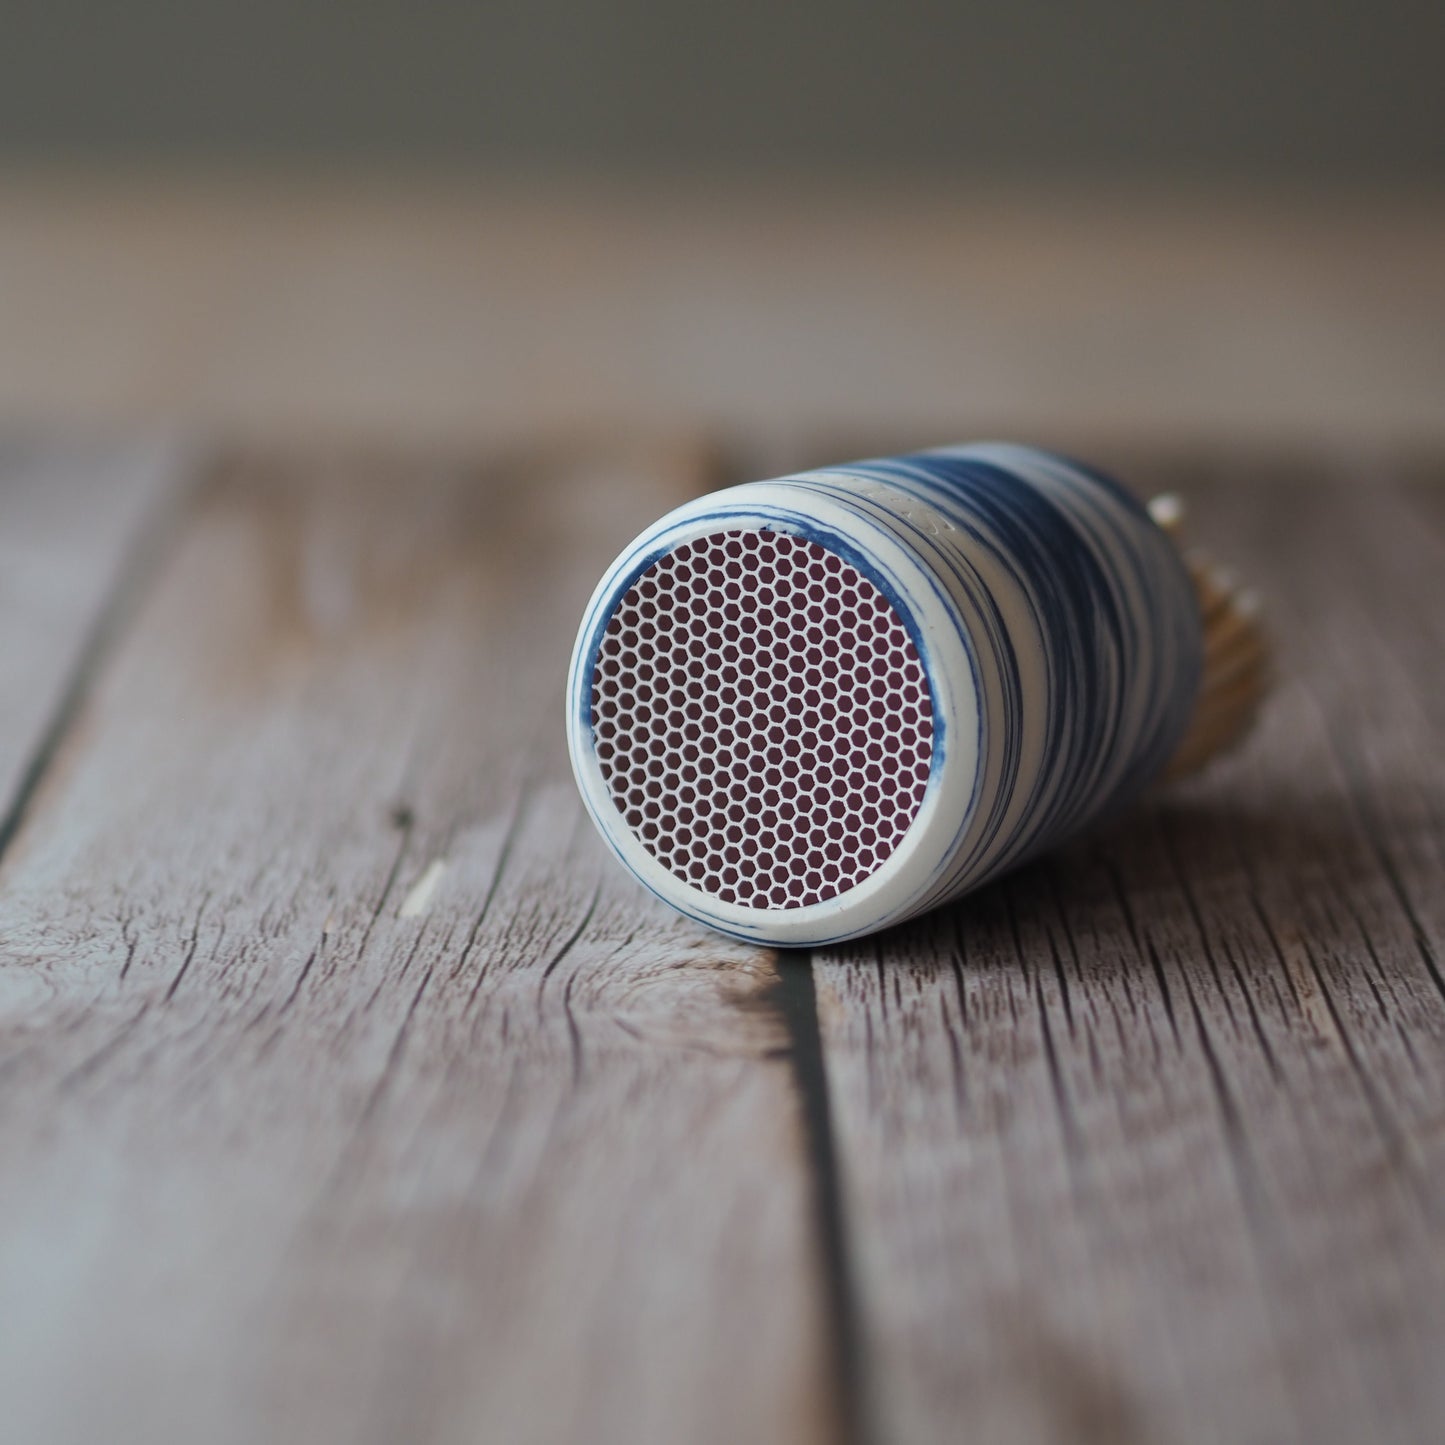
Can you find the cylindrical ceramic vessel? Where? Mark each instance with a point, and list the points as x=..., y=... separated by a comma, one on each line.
x=805, y=709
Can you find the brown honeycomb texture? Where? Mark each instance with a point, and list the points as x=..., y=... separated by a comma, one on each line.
x=762, y=719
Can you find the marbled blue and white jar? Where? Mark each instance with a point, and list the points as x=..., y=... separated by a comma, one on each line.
x=805, y=709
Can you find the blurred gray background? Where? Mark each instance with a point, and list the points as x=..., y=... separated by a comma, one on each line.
x=466, y=222
x=1269, y=89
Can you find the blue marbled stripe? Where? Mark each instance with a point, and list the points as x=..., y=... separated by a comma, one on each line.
x=1103, y=604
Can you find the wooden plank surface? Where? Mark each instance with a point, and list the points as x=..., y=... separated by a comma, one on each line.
x=348, y=1095
x=1147, y=1143
x=349, y=1092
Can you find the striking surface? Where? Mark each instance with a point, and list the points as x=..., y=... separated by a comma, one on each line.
x=762, y=719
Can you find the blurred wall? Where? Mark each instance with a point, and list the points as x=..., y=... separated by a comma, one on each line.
x=1234, y=88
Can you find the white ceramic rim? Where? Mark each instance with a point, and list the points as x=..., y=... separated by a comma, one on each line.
x=857, y=529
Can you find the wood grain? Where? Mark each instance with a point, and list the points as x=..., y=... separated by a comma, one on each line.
x=349, y=1093
x=1148, y=1142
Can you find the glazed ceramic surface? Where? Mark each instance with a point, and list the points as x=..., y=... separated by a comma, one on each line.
x=1053, y=622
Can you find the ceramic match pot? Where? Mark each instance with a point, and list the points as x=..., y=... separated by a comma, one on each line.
x=805, y=709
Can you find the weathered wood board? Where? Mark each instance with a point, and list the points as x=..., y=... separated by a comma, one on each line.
x=1148, y=1142
x=75, y=519
x=347, y=1094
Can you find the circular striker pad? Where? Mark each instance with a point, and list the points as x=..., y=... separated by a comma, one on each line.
x=762, y=719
